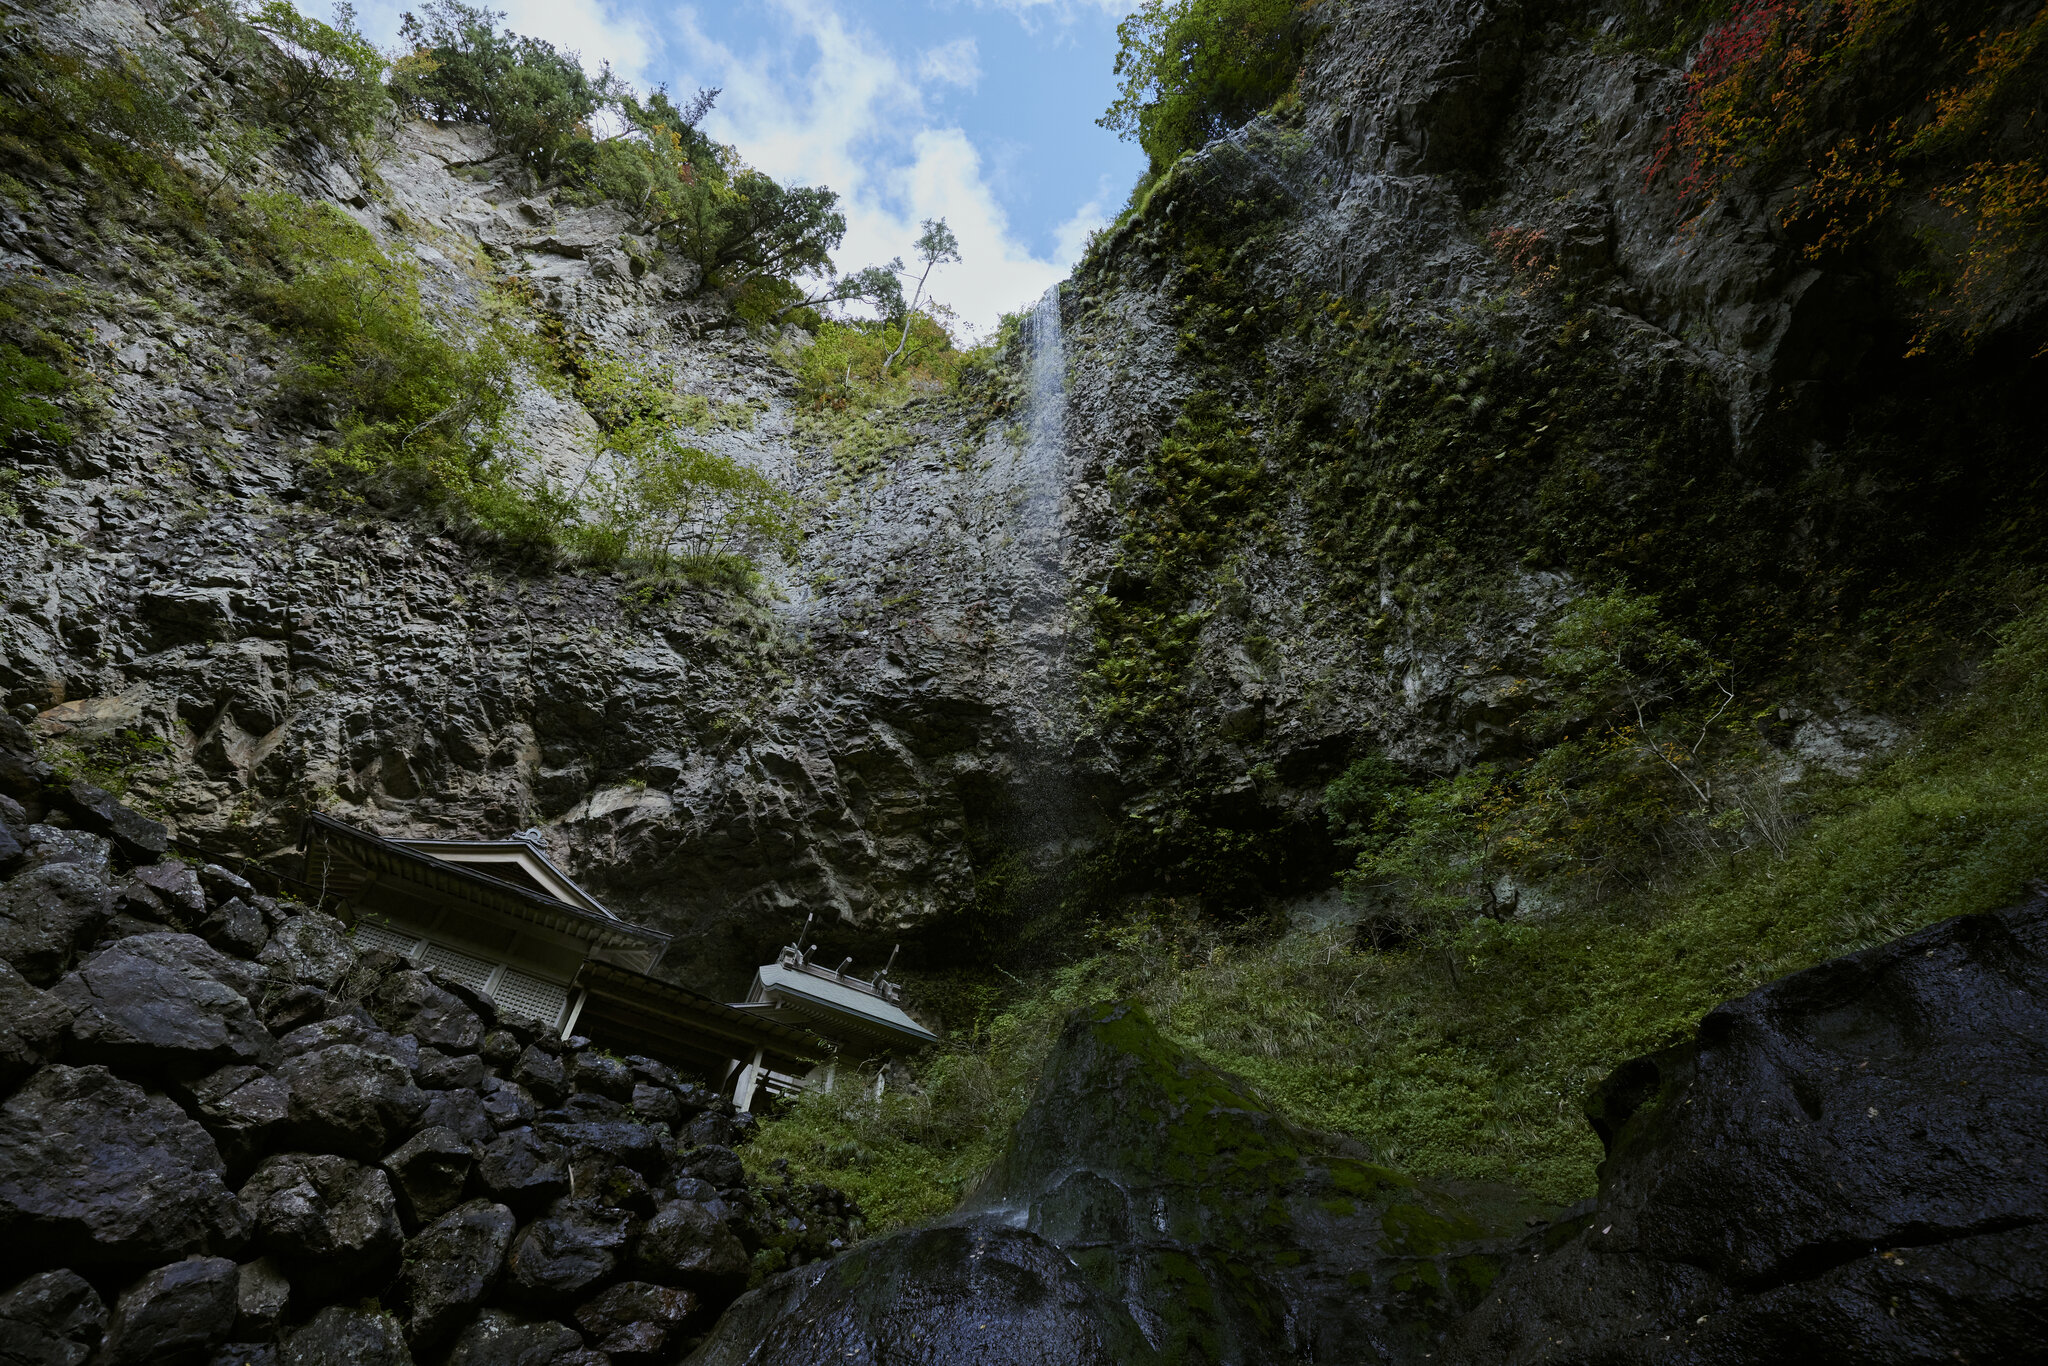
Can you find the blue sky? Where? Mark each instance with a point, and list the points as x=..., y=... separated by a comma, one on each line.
x=980, y=111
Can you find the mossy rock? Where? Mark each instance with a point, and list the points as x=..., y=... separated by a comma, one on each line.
x=1230, y=1234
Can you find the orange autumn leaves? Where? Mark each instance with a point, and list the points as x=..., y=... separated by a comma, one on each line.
x=1915, y=116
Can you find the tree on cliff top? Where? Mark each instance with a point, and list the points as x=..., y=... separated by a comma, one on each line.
x=1194, y=69
x=601, y=140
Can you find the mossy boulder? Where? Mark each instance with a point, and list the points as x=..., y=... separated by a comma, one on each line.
x=1229, y=1234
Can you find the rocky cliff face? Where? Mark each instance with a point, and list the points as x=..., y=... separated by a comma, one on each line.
x=227, y=1131
x=1338, y=424
x=185, y=610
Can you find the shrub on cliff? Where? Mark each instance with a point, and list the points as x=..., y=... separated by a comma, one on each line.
x=601, y=140
x=418, y=403
x=1193, y=70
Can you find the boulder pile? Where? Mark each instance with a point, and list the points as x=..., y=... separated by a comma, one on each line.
x=226, y=1135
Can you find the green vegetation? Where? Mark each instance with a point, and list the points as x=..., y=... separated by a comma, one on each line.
x=654, y=500
x=850, y=396
x=28, y=386
x=1480, y=1073
x=749, y=233
x=420, y=399
x=1192, y=70
x=1631, y=852
x=419, y=405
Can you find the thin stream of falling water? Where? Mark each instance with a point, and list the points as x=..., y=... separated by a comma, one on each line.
x=1046, y=431
x=1042, y=606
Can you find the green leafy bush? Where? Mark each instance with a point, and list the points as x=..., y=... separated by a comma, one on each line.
x=843, y=366
x=661, y=501
x=1192, y=70
x=27, y=386
x=419, y=402
x=748, y=232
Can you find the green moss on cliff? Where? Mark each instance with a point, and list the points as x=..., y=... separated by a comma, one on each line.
x=1482, y=1076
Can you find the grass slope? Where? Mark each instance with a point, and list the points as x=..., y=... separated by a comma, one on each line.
x=1469, y=1055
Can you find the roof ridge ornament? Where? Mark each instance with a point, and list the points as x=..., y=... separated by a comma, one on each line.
x=532, y=835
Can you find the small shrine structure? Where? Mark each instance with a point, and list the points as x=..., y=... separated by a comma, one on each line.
x=500, y=917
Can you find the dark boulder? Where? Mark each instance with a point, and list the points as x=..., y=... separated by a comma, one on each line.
x=235, y=927
x=499, y=1339
x=635, y=1322
x=410, y=1002
x=263, y=1293
x=294, y=1006
x=352, y=1100
x=541, y=1073
x=567, y=1253
x=349, y=1025
x=224, y=885
x=643, y=1147
x=12, y=850
x=656, y=1105
x=174, y=1316
x=440, y=1071
x=49, y=844
x=523, y=1169
x=96, y=1172
x=989, y=1295
x=243, y=1107
x=452, y=1266
x=508, y=1104
x=176, y=889
x=708, y=1128
x=719, y=1166
x=1847, y=1165
x=429, y=1171
x=31, y=1027
x=247, y=1354
x=347, y=1337
x=96, y=809
x=310, y=949
x=54, y=1318
x=614, y=1184
x=499, y=1048
x=653, y=1073
x=49, y=914
x=168, y=1003
x=692, y=1243
x=594, y=1072
x=462, y=1111
x=332, y=1223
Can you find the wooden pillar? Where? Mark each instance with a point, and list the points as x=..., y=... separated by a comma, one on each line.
x=743, y=1094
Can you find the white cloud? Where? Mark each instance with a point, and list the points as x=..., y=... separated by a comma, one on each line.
x=598, y=30
x=955, y=63
x=822, y=101
x=1072, y=235
x=829, y=104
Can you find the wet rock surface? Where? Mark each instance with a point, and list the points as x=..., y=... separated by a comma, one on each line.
x=933, y=1297
x=1845, y=1166
x=1848, y=1164
x=54, y=1318
x=174, y=1316
x=1149, y=1208
x=97, y=1172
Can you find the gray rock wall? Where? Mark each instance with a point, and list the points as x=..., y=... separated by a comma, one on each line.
x=223, y=1129
x=914, y=694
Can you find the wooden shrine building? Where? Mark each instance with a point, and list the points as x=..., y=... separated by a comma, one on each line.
x=501, y=918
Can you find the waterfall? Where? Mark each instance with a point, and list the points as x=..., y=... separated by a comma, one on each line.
x=1049, y=696
x=1046, y=426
